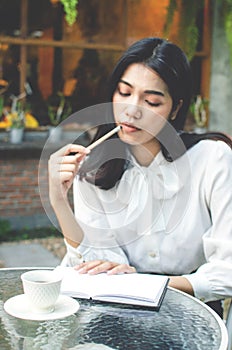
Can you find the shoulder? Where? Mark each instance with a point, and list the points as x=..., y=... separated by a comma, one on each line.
x=212, y=159
x=210, y=149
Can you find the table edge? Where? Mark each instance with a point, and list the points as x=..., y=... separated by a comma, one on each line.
x=224, y=332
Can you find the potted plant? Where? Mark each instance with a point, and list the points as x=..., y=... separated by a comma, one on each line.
x=199, y=110
x=17, y=127
x=16, y=117
x=58, y=110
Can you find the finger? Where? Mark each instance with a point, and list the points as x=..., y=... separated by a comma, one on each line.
x=67, y=168
x=62, y=151
x=80, y=266
x=76, y=160
x=86, y=266
x=103, y=267
x=74, y=149
x=57, y=171
x=123, y=268
x=65, y=176
x=70, y=148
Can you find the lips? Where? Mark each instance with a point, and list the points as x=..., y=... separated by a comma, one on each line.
x=126, y=127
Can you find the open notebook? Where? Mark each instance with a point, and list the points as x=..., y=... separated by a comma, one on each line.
x=136, y=288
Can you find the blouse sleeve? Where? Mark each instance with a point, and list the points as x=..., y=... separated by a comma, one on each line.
x=213, y=280
x=99, y=240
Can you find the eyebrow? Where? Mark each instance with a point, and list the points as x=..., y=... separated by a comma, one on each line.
x=151, y=92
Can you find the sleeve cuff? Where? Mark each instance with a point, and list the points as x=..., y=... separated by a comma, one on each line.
x=73, y=256
x=201, y=286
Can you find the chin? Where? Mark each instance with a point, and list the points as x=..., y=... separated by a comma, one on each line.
x=129, y=140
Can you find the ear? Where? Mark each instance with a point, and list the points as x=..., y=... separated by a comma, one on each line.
x=178, y=107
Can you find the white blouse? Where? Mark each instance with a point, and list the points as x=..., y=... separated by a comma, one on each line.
x=171, y=218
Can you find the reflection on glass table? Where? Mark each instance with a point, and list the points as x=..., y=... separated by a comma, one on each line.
x=181, y=323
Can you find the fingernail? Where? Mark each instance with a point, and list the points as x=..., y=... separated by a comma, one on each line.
x=82, y=270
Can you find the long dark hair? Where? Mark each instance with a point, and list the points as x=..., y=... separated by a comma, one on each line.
x=106, y=166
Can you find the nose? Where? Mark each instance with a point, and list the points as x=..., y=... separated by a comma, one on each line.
x=133, y=111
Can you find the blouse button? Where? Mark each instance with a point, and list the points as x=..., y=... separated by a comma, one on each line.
x=79, y=256
x=152, y=254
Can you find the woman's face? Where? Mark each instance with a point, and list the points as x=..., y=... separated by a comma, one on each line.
x=141, y=105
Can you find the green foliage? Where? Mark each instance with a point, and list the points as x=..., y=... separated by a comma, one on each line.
x=17, y=112
x=17, y=120
x=70, y=9
x=1, y=105
x=187, y=30
x=228, y=28
x=5, y=227
x=171, y=9
x=58, y=108
x=7, y=234
x=226, y=14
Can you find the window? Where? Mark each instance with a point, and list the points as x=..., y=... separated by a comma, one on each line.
x=39, y=51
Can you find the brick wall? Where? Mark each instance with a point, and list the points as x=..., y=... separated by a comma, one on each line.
x=23, y=183
x=19, y=194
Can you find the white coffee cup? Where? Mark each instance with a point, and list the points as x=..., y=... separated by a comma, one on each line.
x=42, y=289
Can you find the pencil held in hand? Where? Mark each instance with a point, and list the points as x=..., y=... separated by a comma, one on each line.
x=104, y=137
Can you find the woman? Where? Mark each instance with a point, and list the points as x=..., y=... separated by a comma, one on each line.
x=152, y=198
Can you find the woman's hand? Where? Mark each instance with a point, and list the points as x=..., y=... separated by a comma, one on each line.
x=63, y=167
x=181, y=283
x=97, y=266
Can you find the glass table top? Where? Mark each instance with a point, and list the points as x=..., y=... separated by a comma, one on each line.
x=181, y=323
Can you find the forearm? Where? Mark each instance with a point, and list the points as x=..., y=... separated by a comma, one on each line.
x=181, y=283
x=62, y=170
x=68, y=223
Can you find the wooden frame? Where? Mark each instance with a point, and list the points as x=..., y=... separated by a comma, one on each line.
x=24, y=42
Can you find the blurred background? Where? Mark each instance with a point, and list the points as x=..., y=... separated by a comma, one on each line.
x=55, y=58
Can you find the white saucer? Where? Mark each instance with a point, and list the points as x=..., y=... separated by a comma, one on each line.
x=18, y=307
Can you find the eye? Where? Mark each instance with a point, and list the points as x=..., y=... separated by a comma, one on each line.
x=123, y=91
x=153, y=104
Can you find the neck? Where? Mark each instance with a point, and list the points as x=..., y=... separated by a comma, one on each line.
x=144, y=154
